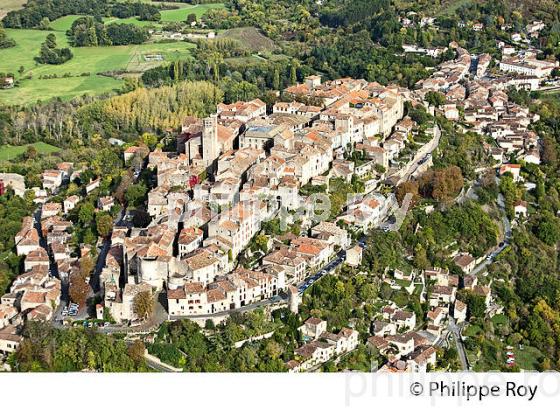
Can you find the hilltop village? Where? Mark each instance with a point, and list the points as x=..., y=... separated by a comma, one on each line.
x=236, y=222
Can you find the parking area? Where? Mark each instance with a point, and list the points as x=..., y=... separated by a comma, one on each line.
x=71, y=309
x=328, y=268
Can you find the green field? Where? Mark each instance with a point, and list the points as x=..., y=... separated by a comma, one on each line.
x=9, y=152
x=450, y=7
x=64, y=23
x=80, y=75
x=182, y=13
x=251, y=38
x=86, y=59
x=528, y=358
x=167, y=16
x=440, y=8
x=130, y=20
x=65, y=88
x=92, y=60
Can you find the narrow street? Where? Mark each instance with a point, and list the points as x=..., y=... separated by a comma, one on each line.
x=95, y=282
x=247, y=308
x=456, y=332
x=421, y=156
x=506, y=225
x=328, y=268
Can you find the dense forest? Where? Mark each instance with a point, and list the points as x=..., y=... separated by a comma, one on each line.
x=184, y=345
x=144, y=11
x=186, y=1
x=363, y=38
x=353, y=50
x=72, y=350
x=125, y=116
x=158, y=110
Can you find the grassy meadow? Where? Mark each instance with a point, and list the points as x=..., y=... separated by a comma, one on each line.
x=10, y=152
x=181, y=13
x=81, y=72
x=167, y=16
x=81, y=75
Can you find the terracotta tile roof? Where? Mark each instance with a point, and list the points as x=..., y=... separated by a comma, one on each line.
x=377, y=342
x=463, y=260
x=200, y=259
x=215, y=295
x=398, y=338
x=34, y=297
x=41, y=312
x=481, y=290
x=460, y=306
x=194, y=287
x=421, y=355
x=401, y=315
x=442, y=290
x=37, y=255
x=31, y=238
x=419, y=340
x=176, y=293
x=189, y=235
x=435, y=313
x=313, y=321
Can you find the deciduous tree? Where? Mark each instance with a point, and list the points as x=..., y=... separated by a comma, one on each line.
x=143, y=304
x=78, y=289
x=104, y=224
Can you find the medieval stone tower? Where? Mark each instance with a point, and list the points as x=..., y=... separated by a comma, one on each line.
x=210, y=146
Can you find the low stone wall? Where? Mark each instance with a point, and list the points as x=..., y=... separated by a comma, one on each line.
x=252, y=339
x=154, y=359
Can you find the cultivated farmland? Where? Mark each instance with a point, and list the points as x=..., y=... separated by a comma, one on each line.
x=93, y=70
